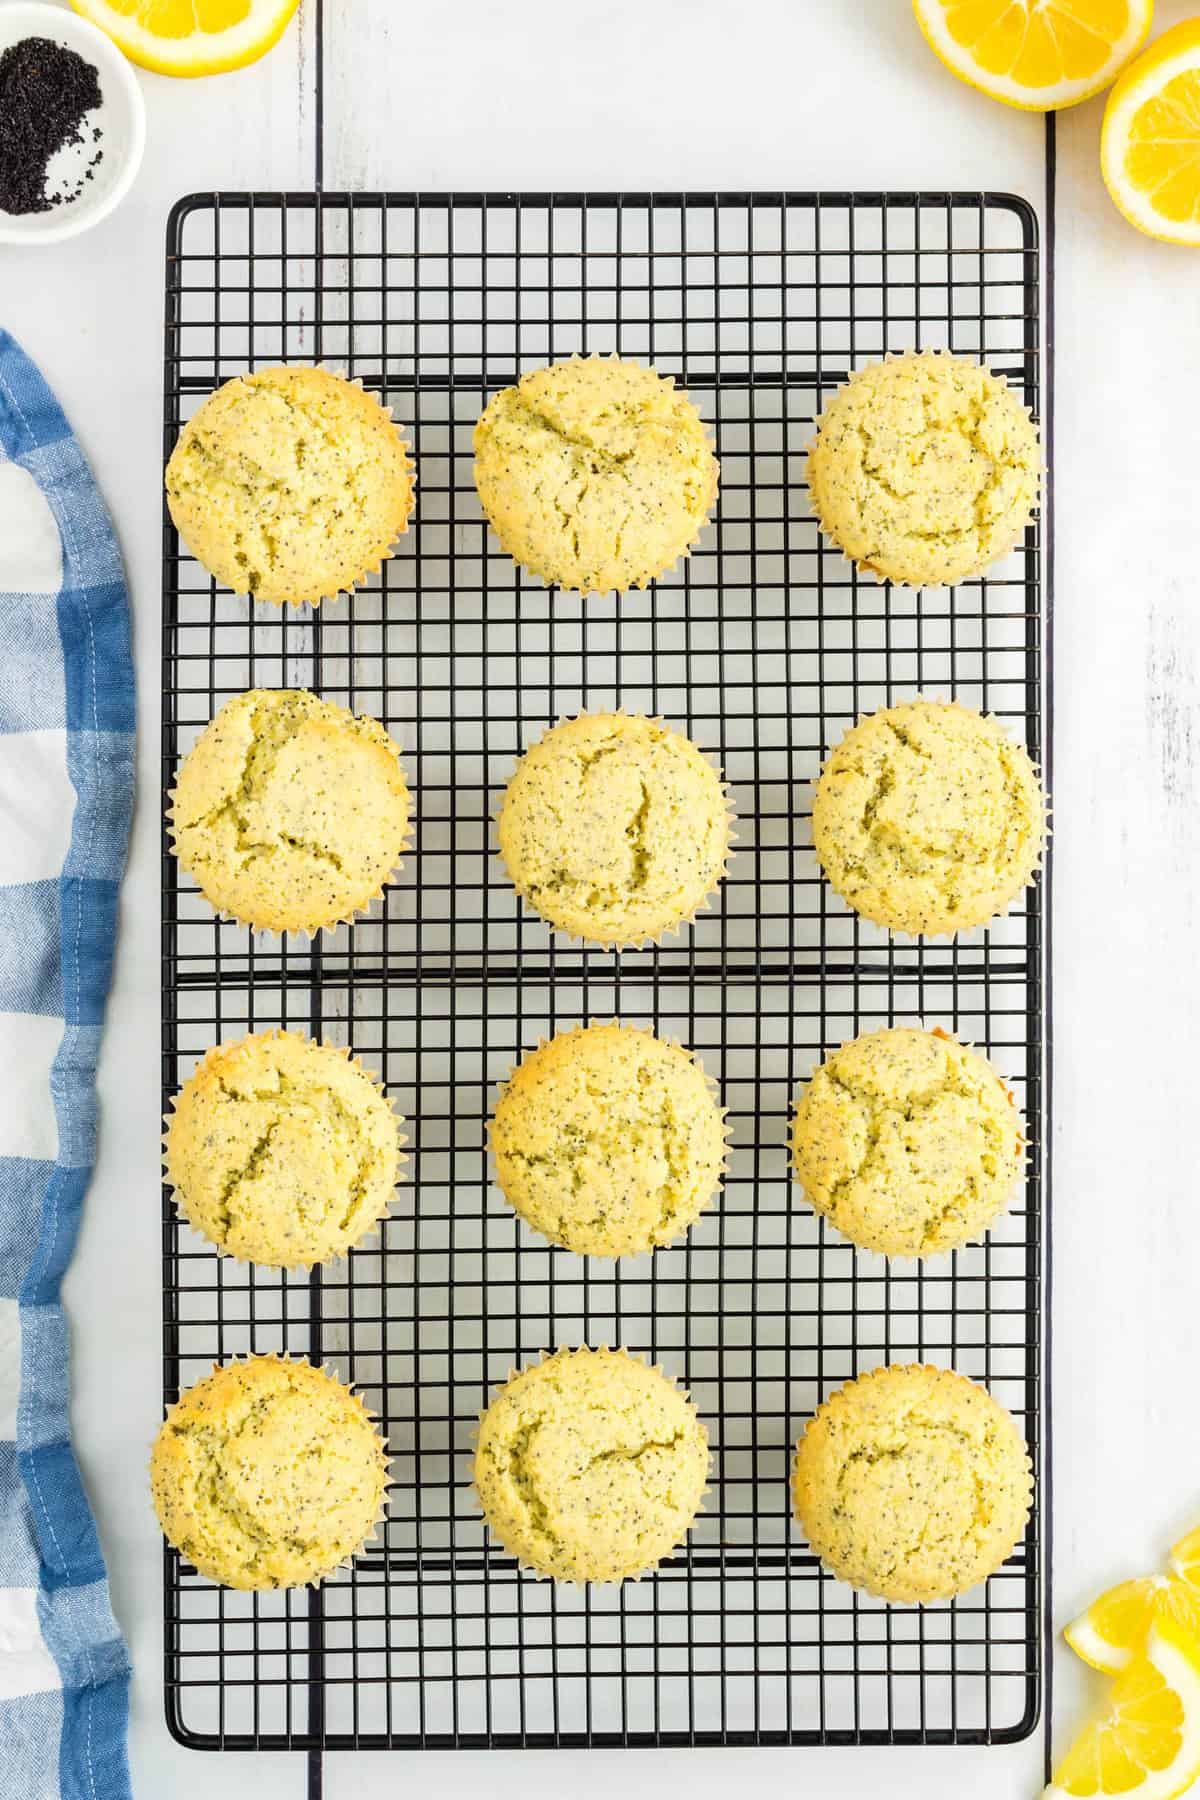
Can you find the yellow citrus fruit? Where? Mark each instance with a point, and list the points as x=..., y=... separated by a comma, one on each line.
x=1185, y=1558
x=1114, y=1628
x=1150, y=141
x=1037, y=54
x=1147, y=1741
x=191, y=37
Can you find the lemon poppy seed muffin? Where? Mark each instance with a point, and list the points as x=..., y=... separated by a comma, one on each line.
x=925, y=468
x=282, y=1151
x=290, y=485
x=591, y=1466
x=614, y=828
x=912, y=1483
x=928, y=817
x=289, y=812
x=608, y=1141
x=268, y=1474
x=594, y=474
x=908, y=1142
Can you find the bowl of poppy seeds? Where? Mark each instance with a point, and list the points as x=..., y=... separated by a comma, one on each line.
x=72, y=124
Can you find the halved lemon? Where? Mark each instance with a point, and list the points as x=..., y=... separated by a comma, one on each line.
x=1150, y=141
x=1185, y=1558
x=191, y=37
x=1036, y=54
x=1115, y=1627
x=1147, y=1742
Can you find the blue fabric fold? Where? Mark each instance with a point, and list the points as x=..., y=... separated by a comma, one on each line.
x=67, y=732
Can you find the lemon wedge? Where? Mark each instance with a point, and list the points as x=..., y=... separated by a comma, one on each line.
x=1147, y=1741
x=1185, y=1558
x=1114, y=1628
x=1150, y=140
x=191, y=37
x=1036, y=54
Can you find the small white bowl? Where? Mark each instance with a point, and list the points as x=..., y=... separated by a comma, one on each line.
x=121, y=116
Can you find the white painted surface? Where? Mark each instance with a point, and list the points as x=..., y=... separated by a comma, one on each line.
x=1127, y=1249
x=473, y=93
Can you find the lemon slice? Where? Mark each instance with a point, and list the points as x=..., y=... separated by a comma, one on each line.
x=1150, y=142
x=1147, y=1742
x=1114, y=1628
x=1037, y=54
x=191, y=37
x=1185, y=1558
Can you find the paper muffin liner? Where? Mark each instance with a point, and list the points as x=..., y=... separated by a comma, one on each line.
x=372, y=1230
x=710, y=1082
x=681, y=1543
x=1036, y=869
x=830, y=1406
x=380, y=553
x=349, y=1390
x=639, y=582
x=307, y=932
x=372, y=1535
x=913, y=1022
x=866, y=568
x=703, y=905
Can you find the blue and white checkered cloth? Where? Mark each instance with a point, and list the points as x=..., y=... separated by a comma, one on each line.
x=66, y=792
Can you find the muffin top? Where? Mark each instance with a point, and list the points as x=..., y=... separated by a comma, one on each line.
x=925, y=468
x=928, y=817
x=591, y=1466
x=268, y=1474
x=912, y=1483
x=608, y=1140
x=282, y=1151
x=289, y=812
x=594, y=474
x=290, y=484
x=907, y=1141
x=614, y=828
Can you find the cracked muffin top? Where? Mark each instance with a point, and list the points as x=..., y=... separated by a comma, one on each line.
x=608, y=1141
x=268, y=1474
x=925, y=469
x=908, y=1142
x=614, y=828
x=282, y=1151
x=289, y=812
x=912, y=1483
x=594, y=474
x=929, y=818
x=290, y=485
x=591, y=1466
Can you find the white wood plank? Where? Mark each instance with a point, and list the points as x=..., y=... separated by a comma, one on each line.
x=657, y=93
x=1127, y=778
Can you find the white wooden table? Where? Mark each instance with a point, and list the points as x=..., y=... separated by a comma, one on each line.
x=678, y=94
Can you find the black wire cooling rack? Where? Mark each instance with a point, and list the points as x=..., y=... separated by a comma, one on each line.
x=764, y=647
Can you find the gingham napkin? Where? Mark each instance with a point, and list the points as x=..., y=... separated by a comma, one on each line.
x=66, y=791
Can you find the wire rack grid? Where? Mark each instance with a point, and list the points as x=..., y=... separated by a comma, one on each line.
x=764, y=646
